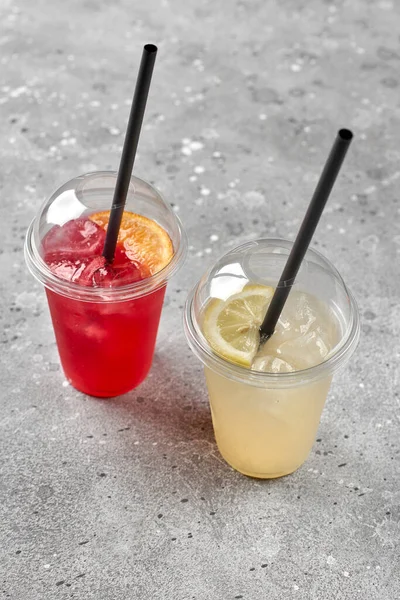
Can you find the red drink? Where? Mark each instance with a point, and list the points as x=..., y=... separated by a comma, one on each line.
x=105, y=317
x=106, y=349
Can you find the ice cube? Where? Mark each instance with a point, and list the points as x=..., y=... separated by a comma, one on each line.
x=69, y=270
x=116, y=275
x=305, y=334
x=76, y=239
x=73, y=252
x=271, y=364
x=306, y=350
x=95, y=272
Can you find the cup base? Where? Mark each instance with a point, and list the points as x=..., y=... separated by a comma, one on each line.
x=254, y=475
x=104, y=393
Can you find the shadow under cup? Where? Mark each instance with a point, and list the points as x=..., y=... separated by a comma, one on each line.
x=265, y=423
x=105, y=336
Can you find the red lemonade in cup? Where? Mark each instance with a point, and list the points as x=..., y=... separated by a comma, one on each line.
x=105, y=315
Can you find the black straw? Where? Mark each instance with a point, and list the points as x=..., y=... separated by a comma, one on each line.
x=129, y=149
x=306, y=232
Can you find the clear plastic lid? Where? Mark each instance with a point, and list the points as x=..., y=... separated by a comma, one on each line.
x=93, y=192
x=262, y=261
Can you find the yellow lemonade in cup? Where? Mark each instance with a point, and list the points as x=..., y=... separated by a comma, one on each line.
x=266, y=403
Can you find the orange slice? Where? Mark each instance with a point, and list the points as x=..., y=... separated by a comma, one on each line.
x=142, y=239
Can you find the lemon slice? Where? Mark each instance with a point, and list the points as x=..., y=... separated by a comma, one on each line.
x=231, y=327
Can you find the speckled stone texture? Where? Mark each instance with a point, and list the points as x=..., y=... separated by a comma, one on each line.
x=128, y=498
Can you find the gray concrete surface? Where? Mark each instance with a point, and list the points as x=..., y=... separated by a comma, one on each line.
x=129, y=498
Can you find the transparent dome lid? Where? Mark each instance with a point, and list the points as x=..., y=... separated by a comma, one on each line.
x=92, y=193
x=262, y=262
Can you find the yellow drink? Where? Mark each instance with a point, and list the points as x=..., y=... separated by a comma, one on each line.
x=267, y=432
x=264, y=432
x=266, y=403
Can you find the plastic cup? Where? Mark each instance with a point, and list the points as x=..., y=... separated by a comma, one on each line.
x=265, y=423
x=105, y=336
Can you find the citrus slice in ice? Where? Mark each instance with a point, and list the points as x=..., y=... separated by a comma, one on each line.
x=143, y=240
x=231, y=327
